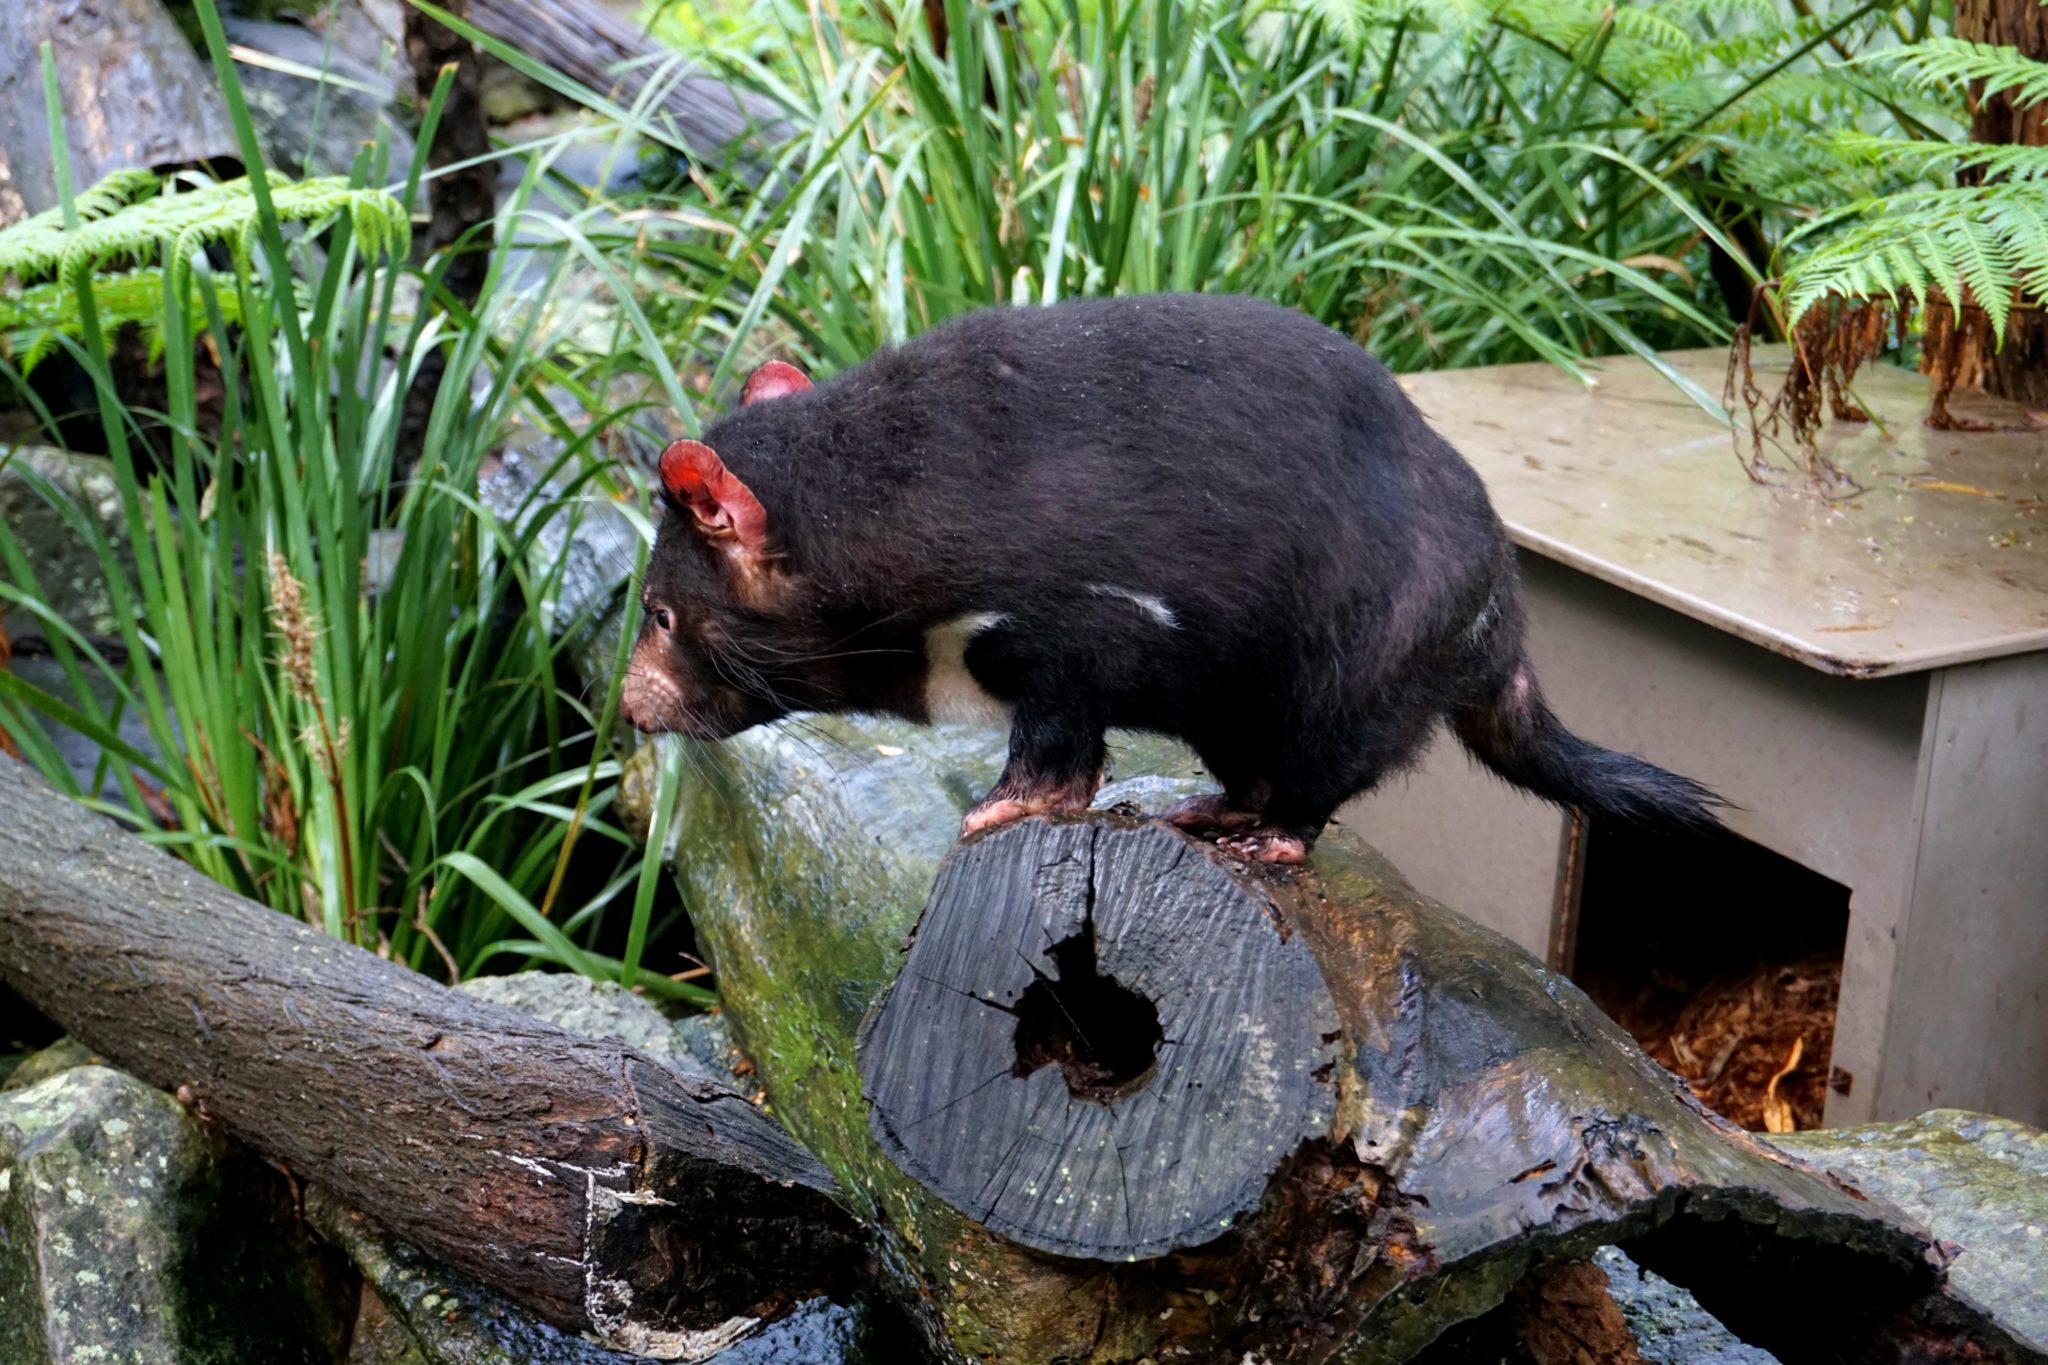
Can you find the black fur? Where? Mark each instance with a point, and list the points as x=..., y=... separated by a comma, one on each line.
x=1338, y=580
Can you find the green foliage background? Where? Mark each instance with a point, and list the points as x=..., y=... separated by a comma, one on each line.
x=406, y=756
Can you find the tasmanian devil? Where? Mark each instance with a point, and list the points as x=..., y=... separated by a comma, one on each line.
x=1200, y=515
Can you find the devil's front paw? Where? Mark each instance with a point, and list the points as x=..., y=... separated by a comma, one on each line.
x=1267, y=844
x=1013, y=801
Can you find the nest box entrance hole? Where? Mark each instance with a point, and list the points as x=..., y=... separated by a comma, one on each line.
x=1722, y=959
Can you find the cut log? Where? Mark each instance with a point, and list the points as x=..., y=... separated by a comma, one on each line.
x=1098, y=1046
x=1108, y=1094
x=581, y=1178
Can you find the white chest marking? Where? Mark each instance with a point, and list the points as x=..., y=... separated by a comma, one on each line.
x=951, y=695
x=1145, y=602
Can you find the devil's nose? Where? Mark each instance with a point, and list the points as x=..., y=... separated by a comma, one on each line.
x=643, y=721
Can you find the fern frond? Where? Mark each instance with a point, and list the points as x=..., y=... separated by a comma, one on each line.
x=116, y=192
x=1347, y=19
x=33, y=319
x=1649, y=26
x=1998, y=161
x=128, y=227
x=2021, y=222
x=1941, y=62
x=33, y=246
x=124, y=220
x=1983, y=244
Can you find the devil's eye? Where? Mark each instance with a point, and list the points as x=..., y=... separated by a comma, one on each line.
x=661, y=618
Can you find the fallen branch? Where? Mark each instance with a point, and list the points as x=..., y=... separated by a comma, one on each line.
x=584, y=1180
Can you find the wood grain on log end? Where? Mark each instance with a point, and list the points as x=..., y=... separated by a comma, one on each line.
x=1101, y=1044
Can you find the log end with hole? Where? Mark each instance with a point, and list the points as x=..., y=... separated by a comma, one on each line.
x=1098, y=1046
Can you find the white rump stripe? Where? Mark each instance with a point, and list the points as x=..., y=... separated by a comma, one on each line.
x=1153, y=607
x=951, y=695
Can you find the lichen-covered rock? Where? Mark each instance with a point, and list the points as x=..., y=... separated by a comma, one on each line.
x=698, y=1046
x=66, y=568
x=1669, y=1325
x=61, y=1055
x=1978, y=1183
x=132, y=1234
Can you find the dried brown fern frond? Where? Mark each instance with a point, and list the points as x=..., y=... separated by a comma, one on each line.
x=1830, y=343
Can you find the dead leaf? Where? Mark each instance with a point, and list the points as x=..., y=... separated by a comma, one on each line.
x=156, y=802
x=1944, y=486
x=1778, y=1113
x=1653, y=261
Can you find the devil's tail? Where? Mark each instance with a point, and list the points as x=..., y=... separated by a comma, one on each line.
x=1513, y=732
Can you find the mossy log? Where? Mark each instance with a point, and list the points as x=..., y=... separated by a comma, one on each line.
x=584, y=1180
x=1111, y=1096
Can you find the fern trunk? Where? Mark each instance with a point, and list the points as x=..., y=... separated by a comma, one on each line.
x=2019, y=369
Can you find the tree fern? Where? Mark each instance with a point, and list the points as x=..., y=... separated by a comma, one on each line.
x=1983, y=244
x=1944, y=63
x=1997, y=161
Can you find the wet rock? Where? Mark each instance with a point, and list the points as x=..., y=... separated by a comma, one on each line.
x=1669, y=1325
x=381, y=1339
x=71, y=583
x=132, y=1234
x=66, y=567
x=596, y=544
x=317, y=127
x=61, y=1055
x=1978, y=1183
x=698, y=1046
x=134, y=91
x=422, y=1313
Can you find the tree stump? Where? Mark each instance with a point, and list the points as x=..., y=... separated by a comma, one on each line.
x=1109, y=1095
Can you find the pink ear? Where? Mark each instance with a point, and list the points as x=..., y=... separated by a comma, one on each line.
x=776, y=379
x=725, y=509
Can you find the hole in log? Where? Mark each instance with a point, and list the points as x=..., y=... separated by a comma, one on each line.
x=1100, y=1033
